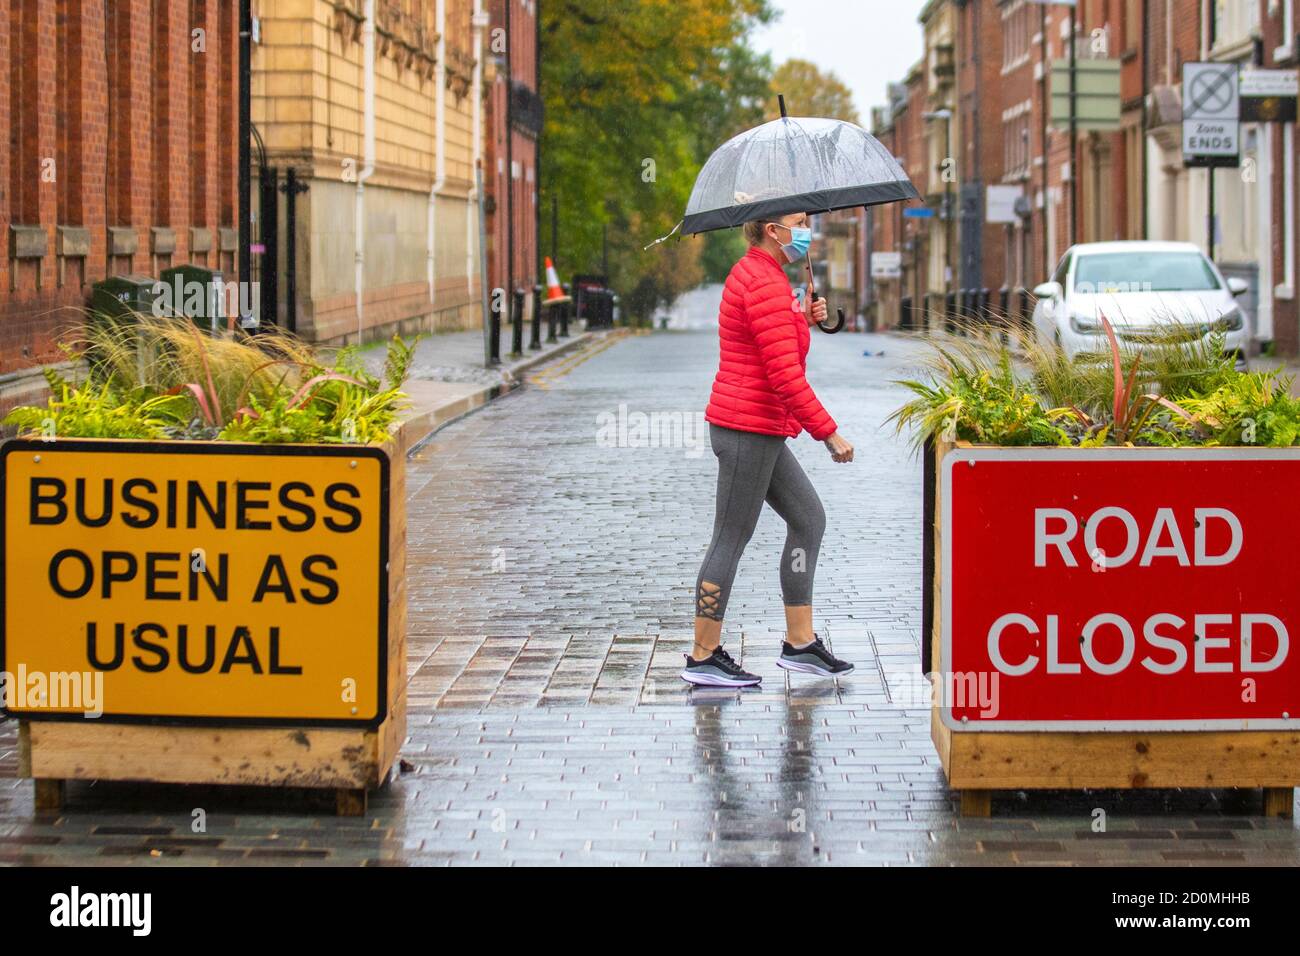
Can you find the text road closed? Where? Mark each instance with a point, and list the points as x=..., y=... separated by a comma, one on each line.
x=1122, y=590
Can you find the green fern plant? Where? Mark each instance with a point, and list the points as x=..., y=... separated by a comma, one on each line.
x=343, y=404
x=161, y=378
x=90, y=412
x=398, y=361
x=968, y=401
x=1253, y=408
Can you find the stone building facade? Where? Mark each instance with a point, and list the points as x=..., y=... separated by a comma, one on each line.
x=382, y=151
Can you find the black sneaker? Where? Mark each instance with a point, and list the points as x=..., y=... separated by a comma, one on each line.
x=718, y=670
x=812, y=659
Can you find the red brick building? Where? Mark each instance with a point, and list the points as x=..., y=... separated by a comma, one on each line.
x=120, y=158
x=900, y=128
x=510, y=167
x=988, y=144
x=1130, y=183
x=1279, y=48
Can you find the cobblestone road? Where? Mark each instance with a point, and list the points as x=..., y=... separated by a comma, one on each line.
x=551, y=567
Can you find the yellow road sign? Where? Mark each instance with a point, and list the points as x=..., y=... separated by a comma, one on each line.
x=188, y=582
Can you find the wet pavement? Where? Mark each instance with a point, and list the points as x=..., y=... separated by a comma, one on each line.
x=554, y=540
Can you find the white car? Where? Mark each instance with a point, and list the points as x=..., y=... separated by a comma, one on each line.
x=1152, y=293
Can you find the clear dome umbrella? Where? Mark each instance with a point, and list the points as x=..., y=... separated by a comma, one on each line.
x=793, y=164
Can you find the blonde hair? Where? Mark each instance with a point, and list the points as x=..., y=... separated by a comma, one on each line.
x=753, y=231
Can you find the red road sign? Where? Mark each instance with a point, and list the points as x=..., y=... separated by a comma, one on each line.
x=1120, y=589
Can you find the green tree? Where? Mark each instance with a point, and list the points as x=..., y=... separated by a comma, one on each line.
x=721, y=250
x=810, y=92
x=638, y=93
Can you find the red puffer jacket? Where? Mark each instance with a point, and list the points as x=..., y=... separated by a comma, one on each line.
x=760, y=385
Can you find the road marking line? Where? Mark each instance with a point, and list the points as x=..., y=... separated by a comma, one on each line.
x=544, y=377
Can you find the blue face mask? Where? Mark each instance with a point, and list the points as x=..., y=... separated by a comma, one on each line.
x=799, y=244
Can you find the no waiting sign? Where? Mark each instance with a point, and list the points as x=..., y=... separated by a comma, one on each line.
x=195, y=583
x=1130, y=589
x=1211, y=111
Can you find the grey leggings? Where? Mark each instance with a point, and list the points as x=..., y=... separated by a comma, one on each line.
x=754, y=468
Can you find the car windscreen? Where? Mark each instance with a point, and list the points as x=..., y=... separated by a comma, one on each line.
x=1113, y=272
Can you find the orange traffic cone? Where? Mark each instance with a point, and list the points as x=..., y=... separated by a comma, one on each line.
x=554, y=291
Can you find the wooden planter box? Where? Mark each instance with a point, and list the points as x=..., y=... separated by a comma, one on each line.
x=257, y=723
x=1256, y=752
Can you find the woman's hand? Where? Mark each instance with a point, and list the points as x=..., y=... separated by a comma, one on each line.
x=840, y=449
x=818, y=311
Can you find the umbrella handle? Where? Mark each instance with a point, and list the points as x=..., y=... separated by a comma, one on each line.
x=831, y=329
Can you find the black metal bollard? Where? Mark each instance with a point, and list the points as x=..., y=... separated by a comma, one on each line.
x=905, y=313
x=984, y=305
x=494, y=334
x=535, y=340
x=605, y=306
x=950, y=313
x=1026, y=311
x=517, y=323
x=566, y=309
x=552, y=318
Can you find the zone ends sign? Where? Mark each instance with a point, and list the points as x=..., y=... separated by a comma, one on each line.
x=1120, y=589
x=204, y=583
x=1211, y=113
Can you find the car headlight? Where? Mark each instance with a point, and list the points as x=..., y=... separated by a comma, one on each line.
x=1082, y=325
x=1232, y=321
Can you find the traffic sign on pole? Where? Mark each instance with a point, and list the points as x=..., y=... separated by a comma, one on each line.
x=1211, y=114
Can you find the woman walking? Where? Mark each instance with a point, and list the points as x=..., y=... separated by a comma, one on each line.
x=760, y=398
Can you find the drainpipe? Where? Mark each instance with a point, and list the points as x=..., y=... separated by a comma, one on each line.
x=1146, y=120
x=1169, y=43
x=479, y=24
x=1207, y=28
x=439, y=137
x=244, y=265
x=368, y=167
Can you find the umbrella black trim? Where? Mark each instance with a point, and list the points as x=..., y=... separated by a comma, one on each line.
x=819, y=200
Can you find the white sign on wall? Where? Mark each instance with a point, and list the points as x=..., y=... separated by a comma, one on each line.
x=886, y=265
x=1000, y=203
x=1269, y=83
